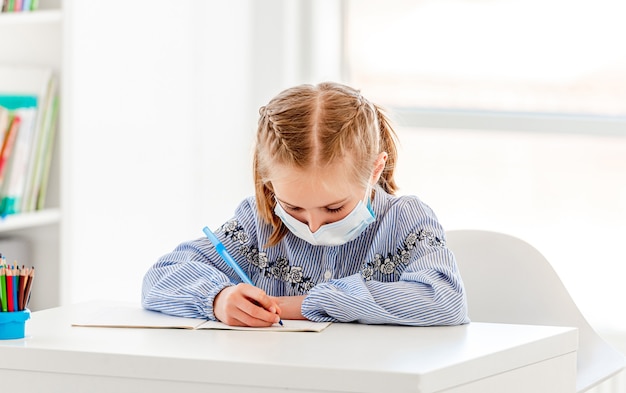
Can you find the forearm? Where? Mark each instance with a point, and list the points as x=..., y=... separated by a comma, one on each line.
x=404, y=302
x=290, y=306
x=186, y=289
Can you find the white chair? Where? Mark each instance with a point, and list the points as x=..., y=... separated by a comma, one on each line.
x=509, y=281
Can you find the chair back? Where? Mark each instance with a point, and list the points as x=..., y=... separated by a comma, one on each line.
x=508, y=281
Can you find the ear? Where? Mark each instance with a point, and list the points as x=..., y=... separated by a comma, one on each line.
x=379, y=166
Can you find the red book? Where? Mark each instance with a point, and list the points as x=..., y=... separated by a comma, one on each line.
x=7, y=147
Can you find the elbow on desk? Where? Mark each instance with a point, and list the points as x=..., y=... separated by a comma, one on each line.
x=450, y=298
x=446, y=307
x=455, y=311
x=450, y=311
x=442, y=300
x=451, y=308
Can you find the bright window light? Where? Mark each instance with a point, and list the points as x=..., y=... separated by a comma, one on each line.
x=540, y=56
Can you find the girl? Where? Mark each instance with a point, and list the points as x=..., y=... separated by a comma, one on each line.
x=324, y=238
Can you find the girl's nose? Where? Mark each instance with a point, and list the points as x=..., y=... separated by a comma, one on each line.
x=314, y=222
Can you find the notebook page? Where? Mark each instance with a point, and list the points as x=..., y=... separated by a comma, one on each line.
x=288, y=326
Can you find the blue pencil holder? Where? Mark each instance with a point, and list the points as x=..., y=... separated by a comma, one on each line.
x=13, y=324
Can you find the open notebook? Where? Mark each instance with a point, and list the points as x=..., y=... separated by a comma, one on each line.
x=131, y=316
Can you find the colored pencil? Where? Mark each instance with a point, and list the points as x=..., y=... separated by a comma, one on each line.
x=20, y=289
x=29, y=283
x=9, y=278
x=15, y=289
x=15, y=286
x=3, y=288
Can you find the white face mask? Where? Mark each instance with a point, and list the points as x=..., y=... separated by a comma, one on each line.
x=335, y=233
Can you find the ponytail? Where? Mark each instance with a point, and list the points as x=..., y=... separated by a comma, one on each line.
x=388, y=141
x=265, y=203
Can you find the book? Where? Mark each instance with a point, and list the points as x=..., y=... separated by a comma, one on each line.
x=18, y=5
x=135, y=316
x=23, y=188
x=5, y=120
x=7, y=146
x=38, y=166
x=24, y=108
x=41, y=184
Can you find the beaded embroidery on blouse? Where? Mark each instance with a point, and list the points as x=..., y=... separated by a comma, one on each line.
x=282, y=270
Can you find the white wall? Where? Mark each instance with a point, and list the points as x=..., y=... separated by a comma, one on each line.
x=164, y=101
x=128, y=171
x=158, y=136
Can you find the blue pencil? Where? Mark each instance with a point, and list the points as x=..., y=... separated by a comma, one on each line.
x=15, y=283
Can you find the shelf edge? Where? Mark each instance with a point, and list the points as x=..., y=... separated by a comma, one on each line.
x=30, y=17
x=30, y=220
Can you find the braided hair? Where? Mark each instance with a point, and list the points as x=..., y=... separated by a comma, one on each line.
x=316, y=126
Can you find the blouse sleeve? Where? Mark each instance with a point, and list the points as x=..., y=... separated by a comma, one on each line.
x=428, y=289
x=185, y=282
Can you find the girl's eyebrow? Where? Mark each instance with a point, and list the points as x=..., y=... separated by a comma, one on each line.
x=344, y=200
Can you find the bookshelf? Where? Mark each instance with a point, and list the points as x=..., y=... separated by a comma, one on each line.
x=36, y=39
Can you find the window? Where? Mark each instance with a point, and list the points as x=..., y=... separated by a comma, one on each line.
x=532, y=56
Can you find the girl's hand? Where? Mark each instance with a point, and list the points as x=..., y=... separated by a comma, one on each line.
x=245, y=305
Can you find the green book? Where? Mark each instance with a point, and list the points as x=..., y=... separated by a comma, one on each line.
x=47, y=157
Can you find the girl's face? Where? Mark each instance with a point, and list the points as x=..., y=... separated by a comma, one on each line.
x=315, y=197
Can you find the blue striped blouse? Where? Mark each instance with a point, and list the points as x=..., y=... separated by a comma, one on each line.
x=398, y=271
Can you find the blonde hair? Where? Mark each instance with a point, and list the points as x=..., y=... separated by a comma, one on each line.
x=314, y=126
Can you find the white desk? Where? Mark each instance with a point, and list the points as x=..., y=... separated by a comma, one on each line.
x=479, y=357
